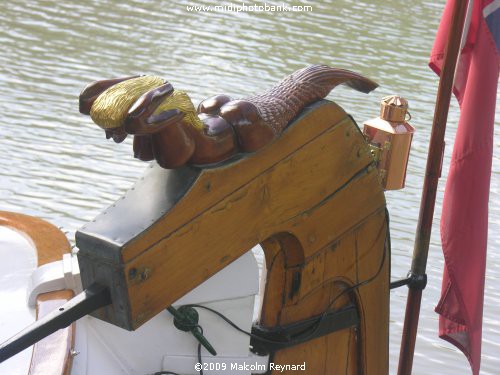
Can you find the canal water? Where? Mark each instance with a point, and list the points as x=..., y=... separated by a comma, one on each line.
x=57, y=165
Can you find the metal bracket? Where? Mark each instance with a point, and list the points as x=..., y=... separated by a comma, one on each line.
x=92, y=298
x=376, y=152
x=417, y=282
x=266, y=341
x=59, y=275
x=186, y=319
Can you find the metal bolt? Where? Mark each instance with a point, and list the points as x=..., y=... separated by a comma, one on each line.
x=145, y=273
x=73, y=353
x=132, y=273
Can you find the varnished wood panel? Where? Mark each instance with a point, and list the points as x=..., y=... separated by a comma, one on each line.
x=267, y=205
x=49, y=242
x=313, y=353
x=215, y=184
x=313, y=200
x=374, y=297
x=52, y=355
x=357, y=257
x=342, y=353
x=272, y=300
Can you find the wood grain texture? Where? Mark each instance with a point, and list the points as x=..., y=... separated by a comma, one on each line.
x=313, y=201
x=52, y=355
x=265, y=206
x=49, y=242
x=356, y=256
x=216, y=184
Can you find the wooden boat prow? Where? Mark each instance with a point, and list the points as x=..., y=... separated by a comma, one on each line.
x=312, y=200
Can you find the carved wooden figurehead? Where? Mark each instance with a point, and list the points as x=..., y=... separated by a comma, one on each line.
x=312, y=199
x=166, y=126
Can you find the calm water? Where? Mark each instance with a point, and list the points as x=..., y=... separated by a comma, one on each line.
x=57, y=165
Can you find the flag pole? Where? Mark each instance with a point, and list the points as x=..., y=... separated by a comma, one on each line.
x=418, y=276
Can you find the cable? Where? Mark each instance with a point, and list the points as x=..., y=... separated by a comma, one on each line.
x=199, y=352
x=316, y=324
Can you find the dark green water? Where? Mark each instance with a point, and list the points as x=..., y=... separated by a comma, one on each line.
x=56, y=164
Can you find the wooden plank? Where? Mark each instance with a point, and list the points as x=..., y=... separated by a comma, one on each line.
x=275, y=279
x=374, y=297
x=332, y=354
x=49, y=242
x=313, y=353
x=342, y=353
x=313, y=200
x=313, y=273
x=341, y=259
x=215, y=184
x=279, y=200
x=319, y=226
x=52, y=355
x=354, y=258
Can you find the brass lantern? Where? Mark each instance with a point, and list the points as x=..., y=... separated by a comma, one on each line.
x=390, y=138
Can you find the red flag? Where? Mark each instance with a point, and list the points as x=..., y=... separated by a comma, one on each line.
x=464, y=220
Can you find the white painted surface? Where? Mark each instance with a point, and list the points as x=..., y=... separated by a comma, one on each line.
x=251, y=364
x=59, y=275
x=106, y=349
x=239, y=279
x=158, y=345
x=17, y=262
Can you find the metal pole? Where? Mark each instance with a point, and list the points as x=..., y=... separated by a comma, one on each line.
x=432, y=174
x=92, y=298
